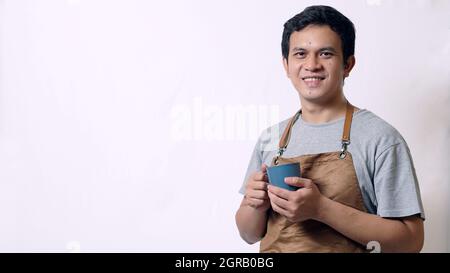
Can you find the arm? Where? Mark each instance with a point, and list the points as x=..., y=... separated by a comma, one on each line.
x=394, y=235
x=251, y=222
x=251, y=217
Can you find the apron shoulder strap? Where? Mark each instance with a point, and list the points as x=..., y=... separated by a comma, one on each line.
x=348, y=123
x=346, y=133
x=284, y=141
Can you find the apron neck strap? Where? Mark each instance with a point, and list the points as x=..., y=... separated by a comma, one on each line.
x=348, y=123
x=284, y=141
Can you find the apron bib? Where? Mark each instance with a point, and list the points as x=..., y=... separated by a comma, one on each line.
x=335, y=176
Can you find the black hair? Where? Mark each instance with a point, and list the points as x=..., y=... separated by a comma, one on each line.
x=321, y=15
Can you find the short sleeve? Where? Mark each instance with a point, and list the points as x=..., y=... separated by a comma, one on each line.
x=395, y=182
x=254, y=165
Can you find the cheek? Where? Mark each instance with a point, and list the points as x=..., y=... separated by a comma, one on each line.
x=329, y=66
x=294, y=69
x=334, y=70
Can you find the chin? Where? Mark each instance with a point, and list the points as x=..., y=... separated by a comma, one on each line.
x=312, y=94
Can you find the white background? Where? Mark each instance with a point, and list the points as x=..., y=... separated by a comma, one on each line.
x=94, y=95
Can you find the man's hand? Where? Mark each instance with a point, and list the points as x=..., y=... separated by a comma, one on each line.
x=299, y=205
x=256, y=193
x=404, y=234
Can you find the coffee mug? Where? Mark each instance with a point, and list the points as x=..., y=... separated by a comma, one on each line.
x=277, y=174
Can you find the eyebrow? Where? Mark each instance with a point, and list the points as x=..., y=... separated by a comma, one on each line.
x=328, y=48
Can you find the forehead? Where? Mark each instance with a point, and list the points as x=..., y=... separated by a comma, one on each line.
x=314, y=36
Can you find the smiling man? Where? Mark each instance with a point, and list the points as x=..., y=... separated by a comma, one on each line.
x=358, y=182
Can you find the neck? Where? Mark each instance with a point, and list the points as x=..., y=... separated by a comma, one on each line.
x=317, y=113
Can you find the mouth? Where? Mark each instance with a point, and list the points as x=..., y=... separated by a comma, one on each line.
x=313, y=81
x=313, y=78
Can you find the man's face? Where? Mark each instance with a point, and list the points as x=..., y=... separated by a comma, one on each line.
x=315, y=63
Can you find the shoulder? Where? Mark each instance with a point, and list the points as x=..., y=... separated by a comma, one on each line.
x=376, y=130
x=269, y=137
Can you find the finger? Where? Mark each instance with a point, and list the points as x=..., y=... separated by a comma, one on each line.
x=258, y=195
x=264, y=171
x=282, y=193
x=278, y=209
x=258, y=185
x=254, y=203
x=298, y=182
x=260, y=176
x=264, y=168
x=282, y=203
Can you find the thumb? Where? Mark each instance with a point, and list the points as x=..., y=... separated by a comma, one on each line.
x=299, y=182
x=264, y=171
x=264, y=168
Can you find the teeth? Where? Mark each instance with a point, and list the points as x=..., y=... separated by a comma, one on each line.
x=312, y=79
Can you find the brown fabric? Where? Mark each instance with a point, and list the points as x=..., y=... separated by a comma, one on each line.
x=336, y=179
x=348, y=122
x=284, y=140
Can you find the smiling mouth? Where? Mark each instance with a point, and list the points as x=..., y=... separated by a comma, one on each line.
x=313, y=81
x=313, y=78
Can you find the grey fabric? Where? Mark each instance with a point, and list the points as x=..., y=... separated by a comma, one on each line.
x=382, y=160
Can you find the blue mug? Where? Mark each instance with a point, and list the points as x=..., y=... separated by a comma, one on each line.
x=276, y=175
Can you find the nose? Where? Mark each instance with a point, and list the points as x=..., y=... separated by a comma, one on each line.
x=312, y=64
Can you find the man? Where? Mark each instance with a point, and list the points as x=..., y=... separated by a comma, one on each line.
x=358, y=182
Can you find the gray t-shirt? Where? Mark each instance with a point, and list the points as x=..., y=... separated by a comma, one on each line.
x=382, y=160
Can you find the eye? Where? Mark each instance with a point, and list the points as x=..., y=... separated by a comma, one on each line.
x=326, y=54
x=300, y=54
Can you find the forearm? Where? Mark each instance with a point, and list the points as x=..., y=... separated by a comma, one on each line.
x=393, y=235
x=251, y=223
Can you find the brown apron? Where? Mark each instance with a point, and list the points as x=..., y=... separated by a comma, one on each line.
x=334, y=175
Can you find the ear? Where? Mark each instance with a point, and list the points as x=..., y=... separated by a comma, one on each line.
x=286, y=66
x=349, y=66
